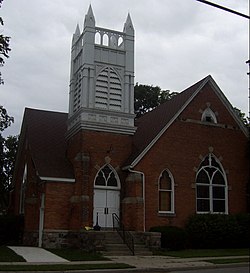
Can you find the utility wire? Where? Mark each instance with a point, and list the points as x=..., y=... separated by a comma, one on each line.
x=224, y=8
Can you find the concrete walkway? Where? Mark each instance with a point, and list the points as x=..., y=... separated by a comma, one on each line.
x=167, y=262
x=37, y=255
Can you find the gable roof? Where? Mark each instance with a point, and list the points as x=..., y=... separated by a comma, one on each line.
x=46, y=130
x=45, y=134
x=153, y=124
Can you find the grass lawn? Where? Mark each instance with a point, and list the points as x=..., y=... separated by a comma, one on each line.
x=229, y=261
x=78, y=255
x=63, y=267
x=195, y=253
x=8, y=255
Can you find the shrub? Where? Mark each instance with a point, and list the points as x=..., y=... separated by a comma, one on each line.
x=11, y=229
x=172, y=237
x=218, y=231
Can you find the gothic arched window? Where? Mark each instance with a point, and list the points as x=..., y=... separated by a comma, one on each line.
x=208, y=116
x=211, y=187
x=107, y=177
x=166, y=192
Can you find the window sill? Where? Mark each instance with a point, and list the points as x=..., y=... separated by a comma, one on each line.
x=166, y=214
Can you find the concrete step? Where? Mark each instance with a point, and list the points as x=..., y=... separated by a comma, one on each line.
x=142, y=250
x=113, y=238
x=115, y=247
x=117, y=250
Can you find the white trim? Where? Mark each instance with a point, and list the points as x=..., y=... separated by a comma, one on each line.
x=57, y=179
x=208, y=112
x=143, y=196
x=118, y=187
x=228, y=106
x=211, y=186
x=172, y=211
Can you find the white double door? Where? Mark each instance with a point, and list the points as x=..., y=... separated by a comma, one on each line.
x=106, y=202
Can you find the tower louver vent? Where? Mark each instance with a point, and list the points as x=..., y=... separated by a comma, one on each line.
x=108, y=90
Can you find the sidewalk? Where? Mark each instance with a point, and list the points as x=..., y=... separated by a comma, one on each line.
x=166, y=262
x=35, y=255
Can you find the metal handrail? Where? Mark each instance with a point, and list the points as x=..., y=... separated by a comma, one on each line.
x=126, y=236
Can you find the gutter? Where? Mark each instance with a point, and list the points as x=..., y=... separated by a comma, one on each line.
x=143, y=195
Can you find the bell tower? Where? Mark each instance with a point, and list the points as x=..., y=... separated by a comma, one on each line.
x=101, y=96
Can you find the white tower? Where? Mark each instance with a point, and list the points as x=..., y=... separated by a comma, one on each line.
x=102, y=79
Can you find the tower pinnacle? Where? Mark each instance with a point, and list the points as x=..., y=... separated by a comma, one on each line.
x=89, y=18
x=128, y=26
x=77, y=33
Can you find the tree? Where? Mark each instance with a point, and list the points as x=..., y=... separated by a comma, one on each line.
x=147, y=97
x=8, y=150
x=8, y=146
x=242, y=116
x=4, y=46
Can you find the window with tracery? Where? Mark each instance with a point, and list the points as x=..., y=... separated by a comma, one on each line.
x=107, y=177
x=211, y=187
x=166, y=192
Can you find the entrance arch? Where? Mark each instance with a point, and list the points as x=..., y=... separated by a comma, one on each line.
x=106, y=196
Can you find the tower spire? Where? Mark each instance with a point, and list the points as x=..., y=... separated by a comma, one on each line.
x=77, y=33
x=128, y=26
x=89, y=18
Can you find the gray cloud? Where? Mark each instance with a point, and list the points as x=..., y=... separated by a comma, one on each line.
x=177, y=43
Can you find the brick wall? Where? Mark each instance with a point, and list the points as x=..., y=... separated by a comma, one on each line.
x=89, y=151
x=180, y=150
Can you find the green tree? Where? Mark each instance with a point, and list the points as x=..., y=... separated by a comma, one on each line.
x=242, y=116
x=147, y=97
x=8, y=150
x=8, y=146
x=4, y=46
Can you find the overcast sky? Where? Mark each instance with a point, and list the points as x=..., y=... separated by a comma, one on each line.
x=178, y=42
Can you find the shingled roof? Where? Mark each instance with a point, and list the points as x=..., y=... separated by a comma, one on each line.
x=45, y=132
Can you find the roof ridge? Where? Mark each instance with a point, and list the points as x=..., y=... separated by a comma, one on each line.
x=44, y=110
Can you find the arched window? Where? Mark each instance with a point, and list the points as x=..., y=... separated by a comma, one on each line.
x=211, y=187
x=208, y=116
x=120, y=41
x=107, y=177
x=105, y=40
x=166, y=192
x=113, y=41
x=98, y=38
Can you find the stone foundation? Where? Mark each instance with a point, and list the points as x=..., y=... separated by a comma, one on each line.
x=30, y=238
x=152, y=240
x=87, y=240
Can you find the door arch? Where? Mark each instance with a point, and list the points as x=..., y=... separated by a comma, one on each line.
x=106, y=196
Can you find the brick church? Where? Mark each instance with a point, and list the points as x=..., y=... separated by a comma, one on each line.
x=187, y=156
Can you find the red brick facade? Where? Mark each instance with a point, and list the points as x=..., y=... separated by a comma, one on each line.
x=179, y=148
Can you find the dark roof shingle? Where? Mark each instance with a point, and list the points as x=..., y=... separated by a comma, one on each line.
x=46, y=131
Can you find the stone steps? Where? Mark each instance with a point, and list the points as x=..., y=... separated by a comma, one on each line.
x=114, y=246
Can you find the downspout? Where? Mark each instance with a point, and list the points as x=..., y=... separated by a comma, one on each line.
x=41, y=221
x=143, y=196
